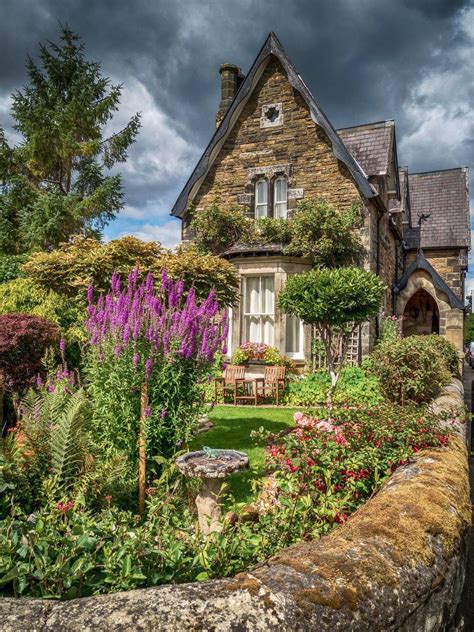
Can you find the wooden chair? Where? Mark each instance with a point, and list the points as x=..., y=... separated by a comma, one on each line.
x=271, y=384
x=233, y=376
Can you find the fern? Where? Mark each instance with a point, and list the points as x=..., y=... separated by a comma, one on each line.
x=67, y=440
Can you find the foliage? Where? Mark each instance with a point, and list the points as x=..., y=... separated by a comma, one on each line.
x=271, y=230
x=24, y=339
x=414, y=368
x=10, y=267
x=335, y=301
x=327, y=235
x=158, y=338
x=54, y=183
x=355, y=387
x=70, y=268
x=317, y=230
x=323, y=471
x=73, y=266
x=469, y=328
x=203, y=272
x=347, y=457
x=258, y=351
x=390, y=328
x=218, y=228
x=22, y=295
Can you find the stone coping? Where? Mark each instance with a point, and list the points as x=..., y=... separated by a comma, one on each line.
x=397, y=564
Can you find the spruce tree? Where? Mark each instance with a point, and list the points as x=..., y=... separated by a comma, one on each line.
x=54, y=183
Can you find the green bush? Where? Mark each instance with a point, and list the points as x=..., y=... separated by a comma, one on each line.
x=414, y=368
x=355, y=387
x=10, y=267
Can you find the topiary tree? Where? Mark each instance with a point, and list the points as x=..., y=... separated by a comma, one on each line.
x=335, y=301
x=24, y=339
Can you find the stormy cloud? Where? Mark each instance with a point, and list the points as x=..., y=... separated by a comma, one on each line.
x=364, y=60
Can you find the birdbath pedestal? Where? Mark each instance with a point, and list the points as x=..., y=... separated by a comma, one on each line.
x=212, y=466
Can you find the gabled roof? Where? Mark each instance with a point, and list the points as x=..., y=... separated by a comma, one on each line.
x=271, y=47
x=421, y=263
x=371, y=145
x=402, y=205
x=444, y=195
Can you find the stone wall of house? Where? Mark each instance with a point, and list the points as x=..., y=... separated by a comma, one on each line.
x=298, y=147
x=397, y=564
x=447, y=264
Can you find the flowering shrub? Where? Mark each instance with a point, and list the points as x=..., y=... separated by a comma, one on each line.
x=158, y=338
x=258, y=351
x=339, y=462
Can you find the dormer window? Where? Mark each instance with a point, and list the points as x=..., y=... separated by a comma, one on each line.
x=261, y=198
x=280, y=197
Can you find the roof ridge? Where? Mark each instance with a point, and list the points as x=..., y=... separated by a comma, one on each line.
x=380, y=123
x=421, y=173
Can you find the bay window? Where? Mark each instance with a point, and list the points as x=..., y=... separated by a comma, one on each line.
x=294, y=337
x=259, y=309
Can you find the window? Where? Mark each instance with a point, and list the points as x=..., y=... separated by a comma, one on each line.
x=259, y=309
x=261, y=199
x=294, y=337
x=280, y=198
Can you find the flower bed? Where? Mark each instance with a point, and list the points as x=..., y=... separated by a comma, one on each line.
x=323, y=469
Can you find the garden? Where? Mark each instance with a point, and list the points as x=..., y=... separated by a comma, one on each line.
x=109, y=351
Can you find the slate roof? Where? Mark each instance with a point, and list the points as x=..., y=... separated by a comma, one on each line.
x=272, y=46
x=445, y=196
x=371, y=145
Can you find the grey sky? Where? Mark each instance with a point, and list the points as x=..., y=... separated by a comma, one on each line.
x=364, y=60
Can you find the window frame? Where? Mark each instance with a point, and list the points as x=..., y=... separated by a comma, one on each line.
x=258, y=204
x=280, y=178
x=260, y=315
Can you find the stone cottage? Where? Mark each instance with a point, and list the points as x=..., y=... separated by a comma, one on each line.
x=273, y=146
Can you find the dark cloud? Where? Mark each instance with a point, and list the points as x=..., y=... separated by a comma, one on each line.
x=410, y=60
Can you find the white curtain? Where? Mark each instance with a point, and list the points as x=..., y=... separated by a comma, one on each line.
x=293, y=337
x=281, y=195
x=261, y=199
x=259, y=309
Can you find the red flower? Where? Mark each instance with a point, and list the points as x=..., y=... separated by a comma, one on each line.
x=65, y=507
x=340, y=518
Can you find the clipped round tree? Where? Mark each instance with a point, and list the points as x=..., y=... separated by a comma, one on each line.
x=24, y=339
x=335, y=301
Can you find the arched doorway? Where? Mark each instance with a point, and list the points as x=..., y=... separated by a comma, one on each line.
x=421, y=315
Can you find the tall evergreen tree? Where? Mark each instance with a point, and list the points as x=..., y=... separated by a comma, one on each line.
x=54, y=183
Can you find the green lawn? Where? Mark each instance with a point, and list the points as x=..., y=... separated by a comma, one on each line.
x=232, y=428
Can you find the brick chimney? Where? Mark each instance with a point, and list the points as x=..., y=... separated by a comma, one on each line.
x=231, y=78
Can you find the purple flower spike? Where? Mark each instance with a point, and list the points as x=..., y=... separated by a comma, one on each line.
x=147, y=411
x=62, y=345
x=90, y=293
x=163, y=413
x=117, y=350
x=136, y=358
x=148, y=365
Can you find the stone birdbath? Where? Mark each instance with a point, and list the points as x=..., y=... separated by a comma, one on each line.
x=212, y=466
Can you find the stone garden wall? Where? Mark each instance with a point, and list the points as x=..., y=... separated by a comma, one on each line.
x=397, y=564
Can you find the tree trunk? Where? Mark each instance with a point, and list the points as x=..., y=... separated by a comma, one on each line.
x=142, y=448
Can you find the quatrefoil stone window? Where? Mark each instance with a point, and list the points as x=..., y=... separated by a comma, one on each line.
x=272, y=115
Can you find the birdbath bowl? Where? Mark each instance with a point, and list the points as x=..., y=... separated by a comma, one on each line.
x=212, y=466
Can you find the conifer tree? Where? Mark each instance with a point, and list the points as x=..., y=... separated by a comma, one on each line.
x=54, y=183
